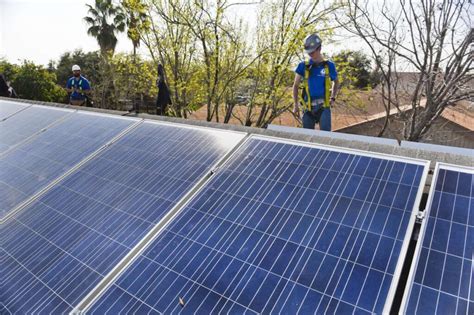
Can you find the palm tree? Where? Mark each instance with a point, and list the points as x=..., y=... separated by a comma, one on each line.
x=105, y=20
x=137, y=21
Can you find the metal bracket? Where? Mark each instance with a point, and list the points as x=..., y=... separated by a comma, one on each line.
x=214, y=171
x=420, y=216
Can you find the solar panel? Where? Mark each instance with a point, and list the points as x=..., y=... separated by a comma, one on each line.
x=8, y=108
x=442, y=275
x=27, y=123
x=280, y=228
x=33, y=165
x=61, y=246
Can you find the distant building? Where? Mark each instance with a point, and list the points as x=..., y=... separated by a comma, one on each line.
x=453, y=128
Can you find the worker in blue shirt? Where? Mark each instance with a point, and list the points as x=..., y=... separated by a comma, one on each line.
x=320, y=86
x=78, y=87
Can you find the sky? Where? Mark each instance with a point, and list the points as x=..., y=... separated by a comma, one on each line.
x=41, y=30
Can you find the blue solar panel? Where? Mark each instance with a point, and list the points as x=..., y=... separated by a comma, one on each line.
x=442, y=276
x=280, y=228
x=61, y=246
x=8, y=108
x=33, y=165
x=27, y=123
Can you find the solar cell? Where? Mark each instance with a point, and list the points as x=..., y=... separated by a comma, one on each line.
x=64, y=243
x=33, y=165
x=441, y=279
x=27, y=123
x=280, y=228
x=8, y=108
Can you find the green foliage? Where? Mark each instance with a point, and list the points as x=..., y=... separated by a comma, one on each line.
x=9, y=70
x=37, y=83
x=354, y=69
x=133, y=78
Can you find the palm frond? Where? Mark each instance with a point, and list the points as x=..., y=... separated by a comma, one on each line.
x=90, y=20
x=93, y=30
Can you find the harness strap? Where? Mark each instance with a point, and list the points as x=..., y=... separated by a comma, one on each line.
x=307, y=69
x=327, y=86
x=79, y=85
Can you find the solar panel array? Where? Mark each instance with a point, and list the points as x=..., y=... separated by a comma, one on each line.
x=56, y=250
x=281, y=228
x=108, y=214
x=442, y=276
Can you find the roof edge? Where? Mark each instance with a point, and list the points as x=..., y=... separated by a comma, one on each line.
x=371, y=146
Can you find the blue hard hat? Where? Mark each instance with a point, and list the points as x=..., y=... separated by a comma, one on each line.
x=311, y=43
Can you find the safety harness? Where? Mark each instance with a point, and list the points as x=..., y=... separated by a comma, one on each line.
x=306, y=97
x=79, y=84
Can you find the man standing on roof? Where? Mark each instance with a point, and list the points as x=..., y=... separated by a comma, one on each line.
x=163, y=99
x=4, y=88
x=320, y=85
x=78, y=86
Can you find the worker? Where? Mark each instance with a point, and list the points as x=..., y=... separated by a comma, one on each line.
x=163, y=99
x=6, y=89
x=78, y=87
x=320, y=86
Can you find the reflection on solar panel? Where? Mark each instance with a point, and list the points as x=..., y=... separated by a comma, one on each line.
x=27, y=123
x=9, y=108
x=280, y=228
x=61, y=246
x=442, y=276
x=33, y=165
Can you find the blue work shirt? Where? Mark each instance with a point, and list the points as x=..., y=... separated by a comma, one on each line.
x=317, y=76
x=78, y=83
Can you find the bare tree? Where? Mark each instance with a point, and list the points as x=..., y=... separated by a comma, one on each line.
x=433, y=38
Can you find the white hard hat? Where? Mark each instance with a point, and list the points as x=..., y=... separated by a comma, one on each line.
x=76, y=68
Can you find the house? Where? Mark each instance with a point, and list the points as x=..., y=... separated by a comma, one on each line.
x=454, y=128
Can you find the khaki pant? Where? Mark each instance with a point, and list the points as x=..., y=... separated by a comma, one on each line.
x=77, y=102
